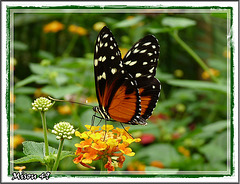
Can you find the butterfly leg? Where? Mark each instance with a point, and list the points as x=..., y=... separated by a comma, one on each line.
x=126, y=130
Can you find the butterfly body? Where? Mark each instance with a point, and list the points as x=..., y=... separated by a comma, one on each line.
x=126, y=89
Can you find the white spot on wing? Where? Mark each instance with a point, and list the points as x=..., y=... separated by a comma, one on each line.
x=104, y=75
x=106, y=44
x=128, y=54
x=112, y=57
x=150, y=54
x=153, y=86
x=101, y=44
x=105, y=36
x=128, y=62
x=95, y=62
x=96, y=49
x=113, y=70
x=151, y=70
x=146, y=44
x=154, y=46
x=138, y=75
x=111, y=47
x=136, y=45
x=100, y=58
x=143, y=51
x=111, y=39
x=135, y=51
x=104, y=58
x=145, y=63
x=132, y=63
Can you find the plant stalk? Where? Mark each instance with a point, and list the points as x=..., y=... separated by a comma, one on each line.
x=60, y=147
x=194, y=55
x=44, y=124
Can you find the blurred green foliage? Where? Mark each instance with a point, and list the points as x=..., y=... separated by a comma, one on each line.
x=189, y=124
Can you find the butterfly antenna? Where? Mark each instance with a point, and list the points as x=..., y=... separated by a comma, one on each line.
x=57, y=100
x=126, y=130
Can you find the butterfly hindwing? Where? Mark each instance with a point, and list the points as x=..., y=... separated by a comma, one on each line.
x=141, y=61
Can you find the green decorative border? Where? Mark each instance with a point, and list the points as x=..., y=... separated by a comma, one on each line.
x=114, y=7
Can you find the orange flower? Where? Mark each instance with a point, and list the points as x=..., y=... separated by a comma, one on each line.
x=157, y=163
x=106, y=144
x=205, y=75
x=184, y=151
x=78, y=30
x=136, y=166
x=54, y=27
x=64, y=109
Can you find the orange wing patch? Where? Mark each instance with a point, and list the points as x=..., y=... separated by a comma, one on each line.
x=123, y=106
x=145, y=100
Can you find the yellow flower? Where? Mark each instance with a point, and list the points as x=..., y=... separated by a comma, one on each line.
x=184, y=151
x=98, y=26
x=78, y=30
x=205, y=75
x=20, y=168
x=16, y=140
x=54, y=27
x=64, y=109
x=106, y=144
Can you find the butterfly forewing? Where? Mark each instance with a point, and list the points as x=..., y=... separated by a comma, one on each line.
x=107, y=61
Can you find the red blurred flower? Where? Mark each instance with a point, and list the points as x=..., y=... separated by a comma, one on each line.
x=147, y=138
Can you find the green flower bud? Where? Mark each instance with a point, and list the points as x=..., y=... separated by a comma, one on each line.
x=63, y=130
x=42, y=104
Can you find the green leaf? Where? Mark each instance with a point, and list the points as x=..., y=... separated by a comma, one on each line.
x=59, y=92
x=128, y=22
x=20, y=46
x=27, y=80
x=178, y=22
x=45, y=55
x=198, y=85
x=165, y=153
x=33, y=148
x=37, y=68
x=211, y=129
x=159, y=30
x=159, y=170
x=213, y=153
x=25, y=90
x=28, y=159
x=66, y=154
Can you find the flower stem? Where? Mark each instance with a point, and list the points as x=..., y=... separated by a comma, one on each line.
x=60, y=147
x=194, y=55
x=44, y=124
x=70, y=46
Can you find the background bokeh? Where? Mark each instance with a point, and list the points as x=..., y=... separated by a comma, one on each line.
x=53, y=55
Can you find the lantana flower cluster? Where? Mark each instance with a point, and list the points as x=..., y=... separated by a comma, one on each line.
x=109, y=144
x=42, y=104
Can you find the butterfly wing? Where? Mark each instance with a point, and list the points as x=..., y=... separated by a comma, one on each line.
x=116, y=90
x=141, y=62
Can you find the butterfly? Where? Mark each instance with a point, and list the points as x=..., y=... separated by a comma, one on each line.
x=126, y=89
